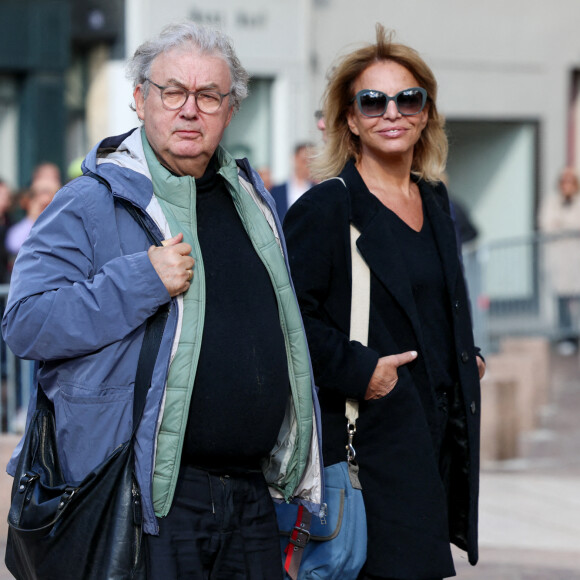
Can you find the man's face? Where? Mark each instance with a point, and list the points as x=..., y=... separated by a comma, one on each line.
x=302, y=163
x=185, y=139
x=5, y=198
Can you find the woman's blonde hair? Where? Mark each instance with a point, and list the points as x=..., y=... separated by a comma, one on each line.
x=430, y=155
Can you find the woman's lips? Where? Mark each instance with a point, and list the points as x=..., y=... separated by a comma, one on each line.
x=392, y=132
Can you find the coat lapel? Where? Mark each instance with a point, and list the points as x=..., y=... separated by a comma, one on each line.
x=378, y=245
x=444, y=233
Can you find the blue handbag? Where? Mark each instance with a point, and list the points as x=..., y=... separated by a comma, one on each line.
x=333, y=544
x=335, y=547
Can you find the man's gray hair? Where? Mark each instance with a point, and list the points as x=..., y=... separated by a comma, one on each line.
x=208, y=41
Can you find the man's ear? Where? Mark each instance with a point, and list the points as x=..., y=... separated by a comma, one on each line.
x=230, y=115
x=139, y=101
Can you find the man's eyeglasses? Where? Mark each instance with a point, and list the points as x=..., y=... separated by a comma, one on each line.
x=174, y=97
x=374, y=103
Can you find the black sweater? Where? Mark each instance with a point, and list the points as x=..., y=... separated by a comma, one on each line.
x=241, y=384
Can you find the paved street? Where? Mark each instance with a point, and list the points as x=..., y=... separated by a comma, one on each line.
x=529, y=507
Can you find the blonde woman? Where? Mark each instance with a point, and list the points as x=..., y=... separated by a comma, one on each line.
x=417, y=382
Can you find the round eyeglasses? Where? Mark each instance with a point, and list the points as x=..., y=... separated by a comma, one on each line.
x=374, y=103
x=175, y=97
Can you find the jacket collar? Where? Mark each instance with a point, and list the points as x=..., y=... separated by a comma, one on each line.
x=120, y=160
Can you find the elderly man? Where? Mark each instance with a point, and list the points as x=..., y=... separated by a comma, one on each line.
x=230, y=413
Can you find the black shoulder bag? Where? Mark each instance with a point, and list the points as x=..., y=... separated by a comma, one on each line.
x=80, y=531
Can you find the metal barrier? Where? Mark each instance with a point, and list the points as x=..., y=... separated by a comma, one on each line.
x=520, y=286
x=527, y=286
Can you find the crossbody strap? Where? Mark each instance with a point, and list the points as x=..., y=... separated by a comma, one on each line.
x=361, y=292
x=359, y=331
x=359, y=307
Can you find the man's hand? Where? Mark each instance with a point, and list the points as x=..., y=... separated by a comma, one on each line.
x=385, y=376
x=173, y=264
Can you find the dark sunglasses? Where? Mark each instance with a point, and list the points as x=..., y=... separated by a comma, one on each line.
x=374, y=103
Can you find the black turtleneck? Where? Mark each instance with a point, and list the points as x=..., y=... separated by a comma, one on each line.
x=241, y=384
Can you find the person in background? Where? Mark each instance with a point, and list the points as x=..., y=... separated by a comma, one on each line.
x=230, y=417
x=287, y=193
x=467, y=230
x=5, y=223
x=47, y=170
x=266, y=176
x=418, y=380
x=34, y=201
x=560, y=219
x=320, y=124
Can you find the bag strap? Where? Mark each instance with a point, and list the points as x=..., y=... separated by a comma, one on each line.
x=359, y=331
x=361, y=292
x=155, y=324
x=153, y=331
x=359, y=308
x=360, y=303
x=147, y=360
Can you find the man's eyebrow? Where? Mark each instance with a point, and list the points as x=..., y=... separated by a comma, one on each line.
x=207, y=87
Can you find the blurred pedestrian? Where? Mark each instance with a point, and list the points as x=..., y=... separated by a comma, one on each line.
x=320, y=124
x=230, y=415
x=465, y=228
x=560, y=218
x=285, y=194
x=5, y=223
x=266, y=175
x=34, y=201
x=49, y=171
x=417, y=381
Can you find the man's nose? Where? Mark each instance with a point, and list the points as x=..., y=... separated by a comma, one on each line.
x=189, y=108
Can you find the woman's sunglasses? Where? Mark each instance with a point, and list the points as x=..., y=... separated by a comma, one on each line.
x=374, y=103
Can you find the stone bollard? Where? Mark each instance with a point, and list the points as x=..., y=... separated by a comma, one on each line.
x=500, y=421
x=537, y=351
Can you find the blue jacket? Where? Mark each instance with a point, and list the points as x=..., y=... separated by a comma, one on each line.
x=82, y=289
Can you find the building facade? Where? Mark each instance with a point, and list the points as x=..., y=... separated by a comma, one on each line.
x=507, y=73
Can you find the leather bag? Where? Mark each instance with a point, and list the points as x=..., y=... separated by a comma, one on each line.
x=88, y=530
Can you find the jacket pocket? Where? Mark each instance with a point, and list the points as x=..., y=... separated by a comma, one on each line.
x=90, y=423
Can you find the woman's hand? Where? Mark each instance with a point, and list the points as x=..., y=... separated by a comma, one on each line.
x=480, y=366
x=386, y=376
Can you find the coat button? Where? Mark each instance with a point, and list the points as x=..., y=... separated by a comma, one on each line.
x=473, y=407
x=456, y=305
x=464, y=356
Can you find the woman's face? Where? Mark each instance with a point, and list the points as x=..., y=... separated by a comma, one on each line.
x=391, y=135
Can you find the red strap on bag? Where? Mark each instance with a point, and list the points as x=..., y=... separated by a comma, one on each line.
x=299, y=537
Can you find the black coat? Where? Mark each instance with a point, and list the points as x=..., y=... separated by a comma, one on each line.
x=410, y=519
